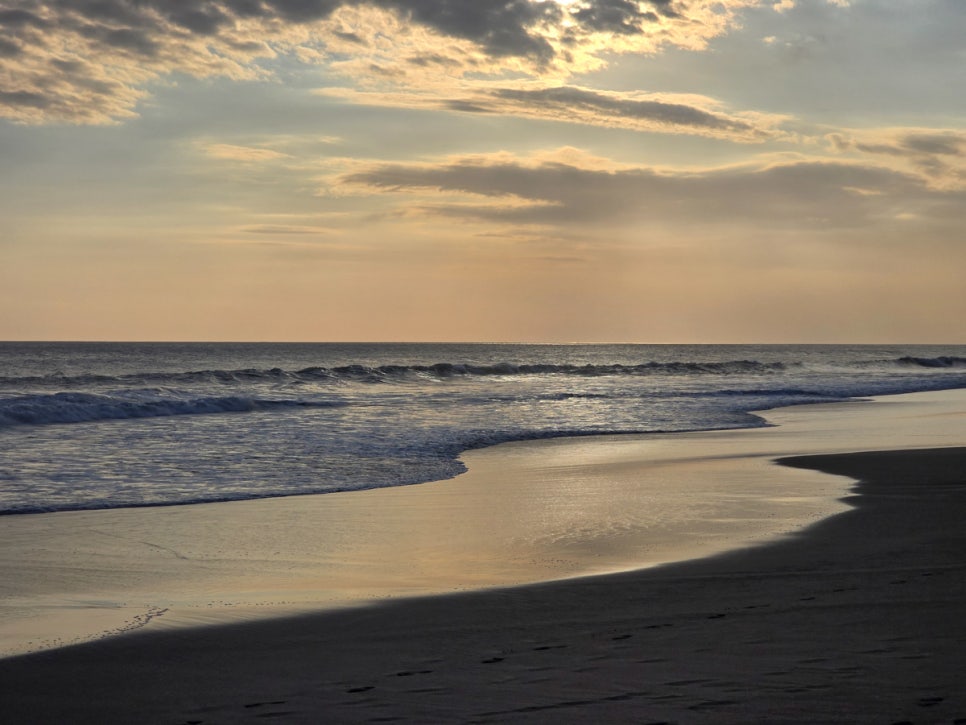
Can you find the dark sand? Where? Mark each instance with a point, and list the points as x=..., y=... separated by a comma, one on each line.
x=857, y=619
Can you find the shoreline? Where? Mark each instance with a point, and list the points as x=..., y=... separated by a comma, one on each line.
x=854, y=618
x=524, y=512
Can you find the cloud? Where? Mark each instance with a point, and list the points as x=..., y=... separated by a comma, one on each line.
x=617, y=16
x=943, y=144
x=231, y=152
x=664, y=113
x=559, y=190
x=938, y=154
x=284, y=229
x=626, y=110
x=79, y=61
x=501, y=27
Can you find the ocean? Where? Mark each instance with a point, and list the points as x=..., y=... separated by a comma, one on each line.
x=108, y=425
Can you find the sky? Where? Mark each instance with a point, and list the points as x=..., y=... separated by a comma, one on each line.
x=654, y=171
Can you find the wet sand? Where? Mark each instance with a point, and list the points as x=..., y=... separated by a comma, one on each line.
x=857, y=618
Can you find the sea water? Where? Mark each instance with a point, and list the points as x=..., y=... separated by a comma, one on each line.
x=106, y=425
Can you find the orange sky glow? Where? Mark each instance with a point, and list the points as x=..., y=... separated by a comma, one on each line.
x=595, y=170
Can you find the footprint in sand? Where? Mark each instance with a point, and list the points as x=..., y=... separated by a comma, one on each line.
x=262, y=704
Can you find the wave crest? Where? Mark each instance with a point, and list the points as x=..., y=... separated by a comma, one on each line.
x=88, y=407
x=943, y=361
x=400, y=373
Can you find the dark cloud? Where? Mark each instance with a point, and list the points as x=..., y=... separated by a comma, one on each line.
x=466, y=106
x=665, y=8
x=200, y=21
x=9, y=49
x=502, y=27
x=139, y=40
x=154, y=17
x=350, y=37
x=814, y=195
x=130, y=39
x=65, y=13
x=425, y=61
x=941, y=144
x=568, y=98
x=24, y=98
x=614, y=16
x=19, y=17
x=918, y=144
x=68, y=66
x=881, y=148
x=301, y=11
x=245, y=8
x=607, y=109
x=938, y=154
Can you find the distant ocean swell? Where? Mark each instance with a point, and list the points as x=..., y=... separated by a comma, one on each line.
x=445, y=370
x=389, y=373
x=109, y=402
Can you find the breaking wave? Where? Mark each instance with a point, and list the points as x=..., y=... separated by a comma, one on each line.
x=944, y=361
x=87, y=407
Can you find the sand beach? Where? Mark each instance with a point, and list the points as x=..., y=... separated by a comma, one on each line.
x=809, y=609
